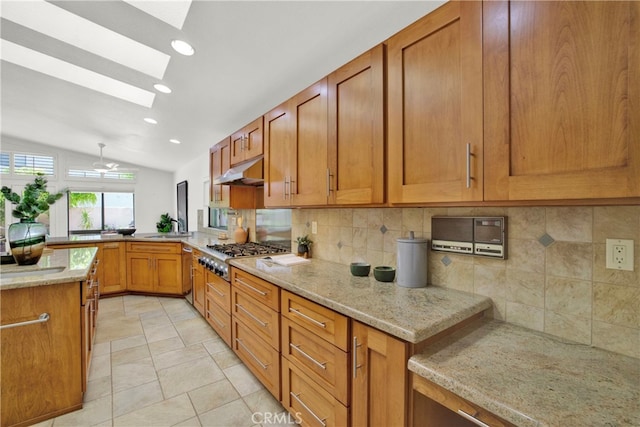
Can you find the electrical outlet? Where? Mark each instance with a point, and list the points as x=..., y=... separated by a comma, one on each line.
x=314, y=227
x=620, y=254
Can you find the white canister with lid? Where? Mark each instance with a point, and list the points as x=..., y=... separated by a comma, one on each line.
x=412, y=262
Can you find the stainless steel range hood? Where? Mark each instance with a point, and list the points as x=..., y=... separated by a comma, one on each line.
x=248, y=173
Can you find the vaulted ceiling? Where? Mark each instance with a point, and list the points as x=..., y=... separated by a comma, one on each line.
x=78, y=73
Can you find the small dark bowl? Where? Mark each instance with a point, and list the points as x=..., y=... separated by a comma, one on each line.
x=384, y=273
x=360, y=268
x=126, y=231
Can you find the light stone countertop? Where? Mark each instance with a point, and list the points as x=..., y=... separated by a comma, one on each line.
x=68, y=265
x=409, y=314
x=196, y=239
x=534, y=379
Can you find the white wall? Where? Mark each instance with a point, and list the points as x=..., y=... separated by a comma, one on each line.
x=196, y=173
x=154, y=190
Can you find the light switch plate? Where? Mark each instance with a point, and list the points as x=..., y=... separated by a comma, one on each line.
x=314, y=227
x=620, y=254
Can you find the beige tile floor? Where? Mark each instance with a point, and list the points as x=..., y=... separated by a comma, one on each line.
x=156, y=362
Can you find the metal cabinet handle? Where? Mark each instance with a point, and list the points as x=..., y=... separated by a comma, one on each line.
x=329, y=175
x=242, y=282
x=354, y=357
x=320, y=420
x=248, y=313
x=214, y=289
x=41, y=319
x=285, y=187
x=310, y=319
x=469, y=154
x=472, y=418
x=186, y=249
x=210, y=314
x=299, y=350
x=262, y=365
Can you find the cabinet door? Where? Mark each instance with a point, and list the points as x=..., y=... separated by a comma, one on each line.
x=168, y=272
x=220, y=158
x=279, y=140
x=379, y=378
x=562, y=97
x=356, y=131
x=198, y=283
x=114, y=268
x=140, y=272
x=247, y=142
x=308, y=182
x=435, y=107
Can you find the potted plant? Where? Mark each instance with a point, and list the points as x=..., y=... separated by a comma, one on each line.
x=304, y=245
x=27, y=237
x=165, y=225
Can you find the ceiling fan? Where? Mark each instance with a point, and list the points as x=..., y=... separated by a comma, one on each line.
x=103, y=167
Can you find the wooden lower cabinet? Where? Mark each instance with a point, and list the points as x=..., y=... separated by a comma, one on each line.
x=154, y=268
x=114, y=268
x=197, y=282
x=308, y=403
x=41, y=364
x=379, y=379
x=434, y=406
x=218, y=305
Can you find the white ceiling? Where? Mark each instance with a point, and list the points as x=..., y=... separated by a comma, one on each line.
x=250, y=56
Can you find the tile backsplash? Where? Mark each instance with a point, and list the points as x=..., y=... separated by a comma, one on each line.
x=554, y=279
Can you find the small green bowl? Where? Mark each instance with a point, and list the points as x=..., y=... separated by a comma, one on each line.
x=360, y=268
x=384, y=273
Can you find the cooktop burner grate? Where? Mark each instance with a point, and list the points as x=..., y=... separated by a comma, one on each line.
x=247, y=249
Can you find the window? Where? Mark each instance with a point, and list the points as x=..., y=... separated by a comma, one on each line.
x=90, y=173
x=31, y=164
x=91, y=212
x=5, y=165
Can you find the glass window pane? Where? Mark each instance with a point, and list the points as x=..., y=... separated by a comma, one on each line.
x=85, y=211
x=4, y=163
x=31, y=164
x=118, y=210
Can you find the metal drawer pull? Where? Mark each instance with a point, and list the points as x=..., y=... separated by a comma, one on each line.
x=215, y=290
x=264, y=294
x=354, y=357
x=185, y=249
x=310, y=319
x=215, y=318
x=320, y=420
x=472, y=418
x=297, y=347
x=248, y=313
x=41, y=319
x=469, y=154
x=239, y=341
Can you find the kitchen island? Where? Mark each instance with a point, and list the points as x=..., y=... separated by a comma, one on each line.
x=47, y=313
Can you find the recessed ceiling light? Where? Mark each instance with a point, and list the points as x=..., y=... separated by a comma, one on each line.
x=150, y=120
x=175, y=141
x=182, y=47
x=162, y=88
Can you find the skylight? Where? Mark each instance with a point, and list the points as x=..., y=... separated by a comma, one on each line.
x=172, y=12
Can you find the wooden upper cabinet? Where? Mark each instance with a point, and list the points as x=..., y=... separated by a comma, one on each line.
x=562, y=100
x=279, y=140
x=220, y=157
x=308, y=180
x=435, y=107
x=356, y=131
x=247, y=142
x=296, y=150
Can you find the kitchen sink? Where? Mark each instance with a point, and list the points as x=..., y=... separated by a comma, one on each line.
x=30, y=272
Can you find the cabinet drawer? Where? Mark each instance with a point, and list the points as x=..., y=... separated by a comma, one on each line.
x=259, y=318
x=219, y=291
x=157, y=248
x=219, y=319
x=323, y=362
x=259, y=289
x=320, y=320
x=258, y=356
x=438, y=394
x=308, y=402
